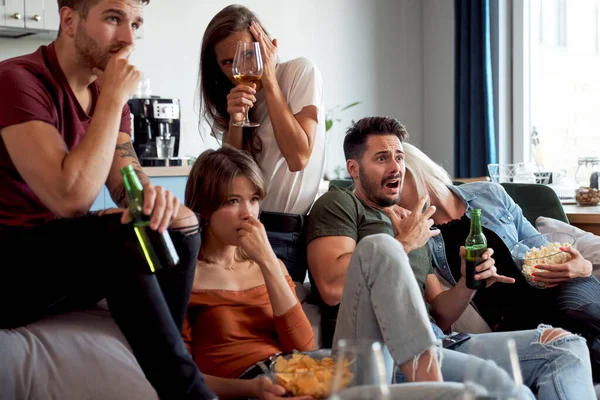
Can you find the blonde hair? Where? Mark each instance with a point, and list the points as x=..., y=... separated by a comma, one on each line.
x=429, y=176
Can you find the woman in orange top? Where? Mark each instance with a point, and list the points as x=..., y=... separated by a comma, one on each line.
x=243, y=308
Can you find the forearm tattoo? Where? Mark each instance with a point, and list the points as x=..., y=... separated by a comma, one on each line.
x=119, y=194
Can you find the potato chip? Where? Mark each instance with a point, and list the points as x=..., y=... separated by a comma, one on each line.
x=302, y=375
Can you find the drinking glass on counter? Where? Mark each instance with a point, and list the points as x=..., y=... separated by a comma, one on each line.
x=165, y=146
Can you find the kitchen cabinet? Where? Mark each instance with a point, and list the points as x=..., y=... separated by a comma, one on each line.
x=32, y=15
x=12, y=13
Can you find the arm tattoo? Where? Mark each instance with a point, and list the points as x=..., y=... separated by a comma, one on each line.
x=126, y=150
x=119, y=194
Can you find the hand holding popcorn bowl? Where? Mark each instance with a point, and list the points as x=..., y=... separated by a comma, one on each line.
x=542, y=249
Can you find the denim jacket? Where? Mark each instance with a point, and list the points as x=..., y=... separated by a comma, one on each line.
x=499, y=213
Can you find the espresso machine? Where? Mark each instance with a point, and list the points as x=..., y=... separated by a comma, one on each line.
x=155, y=132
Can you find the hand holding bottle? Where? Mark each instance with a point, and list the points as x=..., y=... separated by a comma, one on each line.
x=157, y=246
x=485, y=271
x=160, y=204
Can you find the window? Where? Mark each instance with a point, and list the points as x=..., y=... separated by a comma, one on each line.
x=560, y=90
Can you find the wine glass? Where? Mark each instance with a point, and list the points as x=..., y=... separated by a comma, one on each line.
x=247, y=68
x=360, y=371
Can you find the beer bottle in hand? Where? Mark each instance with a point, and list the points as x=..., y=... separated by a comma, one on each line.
x=475, y=245
x=157, y=247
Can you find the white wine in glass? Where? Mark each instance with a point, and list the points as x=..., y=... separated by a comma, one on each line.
x=247, y=69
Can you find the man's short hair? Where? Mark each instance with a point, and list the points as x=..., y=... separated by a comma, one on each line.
x=355, y=142
x=84, y=6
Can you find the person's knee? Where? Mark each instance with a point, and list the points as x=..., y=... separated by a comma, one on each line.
x=185, y=218
x=379, y=244
x=381, y=251
x=550, y=335
x=564, y=343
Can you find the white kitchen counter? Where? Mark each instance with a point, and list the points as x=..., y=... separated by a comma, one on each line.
x=167, y=171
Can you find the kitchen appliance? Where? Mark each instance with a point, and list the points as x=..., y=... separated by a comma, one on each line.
x=153, y=118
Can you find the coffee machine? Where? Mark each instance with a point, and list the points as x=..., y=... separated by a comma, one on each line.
x=153, y=120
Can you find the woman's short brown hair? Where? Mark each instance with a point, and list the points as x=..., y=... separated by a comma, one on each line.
x=212, y=175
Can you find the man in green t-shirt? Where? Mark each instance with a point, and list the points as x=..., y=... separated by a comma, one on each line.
x=344, y=218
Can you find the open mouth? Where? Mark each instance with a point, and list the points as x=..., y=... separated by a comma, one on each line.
x=393, y=184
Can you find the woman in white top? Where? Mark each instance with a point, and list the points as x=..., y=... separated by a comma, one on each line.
x=289, y=144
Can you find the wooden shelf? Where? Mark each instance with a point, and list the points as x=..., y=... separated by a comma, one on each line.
x=584, y=217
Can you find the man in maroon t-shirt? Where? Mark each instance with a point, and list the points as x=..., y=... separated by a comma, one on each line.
x=63, y=139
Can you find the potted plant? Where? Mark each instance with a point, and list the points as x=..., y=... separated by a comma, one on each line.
x=330, y=119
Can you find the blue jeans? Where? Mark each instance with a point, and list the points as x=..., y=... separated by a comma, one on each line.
x=573, y=305
x=290, y=248
x=557, y=370
x=382, y=301
x=578, y=310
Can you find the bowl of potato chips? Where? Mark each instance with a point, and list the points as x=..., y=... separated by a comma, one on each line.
x=308, y=373
x=542, y=249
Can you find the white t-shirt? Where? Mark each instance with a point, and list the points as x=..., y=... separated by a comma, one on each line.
x=292, y=192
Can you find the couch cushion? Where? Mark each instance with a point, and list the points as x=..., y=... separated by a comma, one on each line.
x=77, y=355
x=586, y=243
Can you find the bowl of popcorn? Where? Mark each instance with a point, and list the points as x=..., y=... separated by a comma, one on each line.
x=587, y=196
x=542, y=249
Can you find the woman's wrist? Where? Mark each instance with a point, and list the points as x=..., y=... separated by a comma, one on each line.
x=269, y=262
x=462, y=284
x=269, y=82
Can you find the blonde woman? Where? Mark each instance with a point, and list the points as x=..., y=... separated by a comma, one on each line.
x=571, y=299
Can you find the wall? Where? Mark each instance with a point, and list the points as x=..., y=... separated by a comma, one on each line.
x=438, y=81
x=367, y=51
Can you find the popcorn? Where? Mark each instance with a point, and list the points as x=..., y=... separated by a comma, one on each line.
x=550, y=254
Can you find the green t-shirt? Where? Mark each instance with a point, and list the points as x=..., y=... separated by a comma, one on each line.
x=340, y=213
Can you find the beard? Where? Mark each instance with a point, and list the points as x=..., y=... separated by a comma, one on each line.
x=89, y=53
x=373, y=189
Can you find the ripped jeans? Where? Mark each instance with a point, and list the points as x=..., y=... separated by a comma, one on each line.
x=382, y=301
x=558, y=369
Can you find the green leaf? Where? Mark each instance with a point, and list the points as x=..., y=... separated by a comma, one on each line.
x=350, y=105
x=328, y=124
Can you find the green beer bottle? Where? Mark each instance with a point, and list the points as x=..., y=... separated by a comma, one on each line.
x=475, y=245
x=157, y=247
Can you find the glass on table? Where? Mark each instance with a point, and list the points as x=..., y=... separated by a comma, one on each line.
x=360, y=371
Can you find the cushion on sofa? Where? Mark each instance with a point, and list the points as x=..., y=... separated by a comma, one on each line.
x=77, y=355
x=586, y=243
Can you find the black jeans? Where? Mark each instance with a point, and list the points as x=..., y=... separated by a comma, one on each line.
x=72, y=263
x=573, y=305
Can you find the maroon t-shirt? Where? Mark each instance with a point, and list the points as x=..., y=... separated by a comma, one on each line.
x=34, y=88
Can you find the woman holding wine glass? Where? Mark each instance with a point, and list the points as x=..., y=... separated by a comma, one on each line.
x=275, y=113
